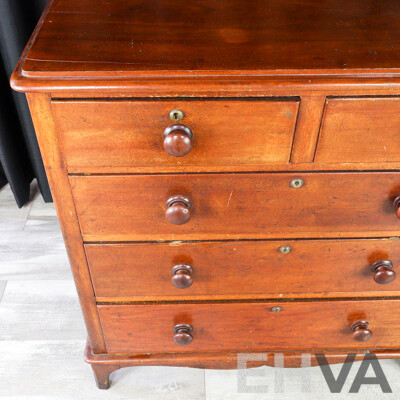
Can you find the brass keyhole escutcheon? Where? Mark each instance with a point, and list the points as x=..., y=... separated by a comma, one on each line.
x=285, y=249
x=176, y=115
x=297, y=183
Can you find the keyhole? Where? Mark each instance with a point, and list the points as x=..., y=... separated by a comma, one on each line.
x=285, y=249
x=297, y=183
x=176, y=115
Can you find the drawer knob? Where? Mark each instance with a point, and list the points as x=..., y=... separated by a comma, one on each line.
x=178, y=140
x=396, y=205
x=360, y=331
x=178, y=210
x=181, y=276
x=183, y=334
x=383, y=272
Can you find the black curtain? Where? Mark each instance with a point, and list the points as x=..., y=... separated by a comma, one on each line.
x=20, y=160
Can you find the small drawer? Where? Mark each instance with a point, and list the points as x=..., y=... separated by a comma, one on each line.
x=258, y=326
x=360, y=130
x=236, y=206
x=217, y=135
x=242, y=269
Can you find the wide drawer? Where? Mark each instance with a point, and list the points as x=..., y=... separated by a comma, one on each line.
x=360, y=130
x=250, y=326
x=235, y=206
x=232, y=270
x=228, y=134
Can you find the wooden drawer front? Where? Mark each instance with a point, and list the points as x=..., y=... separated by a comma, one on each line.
x=238, y=206
x=360, y=130
x=241, y=269
x=228, y=134
x=250, y=326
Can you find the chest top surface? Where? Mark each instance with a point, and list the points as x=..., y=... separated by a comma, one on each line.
x=89, y=38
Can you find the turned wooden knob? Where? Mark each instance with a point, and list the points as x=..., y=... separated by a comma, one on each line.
x=383, y=272
x=360, y=331
x=178, y=140
x=396, y=205
x=178, y=210
x=181, y=276
x=183, y=334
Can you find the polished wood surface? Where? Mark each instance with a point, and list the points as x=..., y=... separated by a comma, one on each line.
x=360, y=130
x=249, y=326
x=241, y=269
x=182, y=276
x=361, y=333
x=178, y=139
x=249, y=206
x=102, y=375
x=396, y=206
x=178, y=210
x=104, y=364
x=242, y=111
x=307, y=130
x=227, y=133
x=183, y=334
x=215, y=36
x=383, y=272
x=46, y=133
x=229, y=360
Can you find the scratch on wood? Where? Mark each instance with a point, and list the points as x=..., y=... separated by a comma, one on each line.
x=229, y=200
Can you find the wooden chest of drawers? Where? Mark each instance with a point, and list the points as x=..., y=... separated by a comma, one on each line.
x=226, y=181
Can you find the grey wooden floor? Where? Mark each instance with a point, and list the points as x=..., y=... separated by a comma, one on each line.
x=42, y=334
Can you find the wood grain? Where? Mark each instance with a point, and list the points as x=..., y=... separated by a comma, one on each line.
x=234, y=270
x=45, y=128
x=227, y=360
x=307, y=129
x=331, y=35
x=209, y=86
x=328, y=51
x=221, y=62
x=248, y=206
x=299, y=168
x=300, y=325
x=227, y=133
x=360, y=130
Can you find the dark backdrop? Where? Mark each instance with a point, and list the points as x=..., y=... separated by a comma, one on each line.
x=20, y=159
